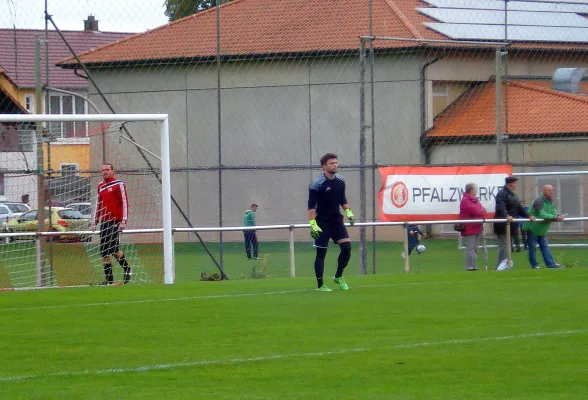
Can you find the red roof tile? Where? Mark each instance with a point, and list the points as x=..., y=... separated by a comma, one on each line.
x=532, y=110
x=582, y=86
x=260, y=27
x=17, y=54
x=256, y=27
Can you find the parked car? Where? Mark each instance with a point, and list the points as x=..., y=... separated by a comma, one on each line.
x=62, y=220
x=84, y=208
x=9, y=210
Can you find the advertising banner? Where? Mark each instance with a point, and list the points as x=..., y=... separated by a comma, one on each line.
x=434, y=193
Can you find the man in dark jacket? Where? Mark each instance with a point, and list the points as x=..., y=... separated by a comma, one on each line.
x=508, y=206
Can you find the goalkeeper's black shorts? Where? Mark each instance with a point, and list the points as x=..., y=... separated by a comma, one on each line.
x=332, y=229
x=109, y=238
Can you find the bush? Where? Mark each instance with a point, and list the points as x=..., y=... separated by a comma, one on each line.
x=261, y=274
x=213, y=277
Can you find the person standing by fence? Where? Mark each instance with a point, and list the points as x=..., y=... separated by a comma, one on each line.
x=471, y=208
x=250, y=234
x=508, y=206
x=542, y=208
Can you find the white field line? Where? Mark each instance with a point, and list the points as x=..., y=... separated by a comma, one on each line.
x=236, y=295
x=160, y=367
x=231, y=295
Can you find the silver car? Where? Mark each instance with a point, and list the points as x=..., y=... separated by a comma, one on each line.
x=10, y=210
x=84, y=208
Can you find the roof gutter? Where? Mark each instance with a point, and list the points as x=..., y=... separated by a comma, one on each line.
x=424, y=140
x=230, y=57
x=90, y=102
x=513, y=138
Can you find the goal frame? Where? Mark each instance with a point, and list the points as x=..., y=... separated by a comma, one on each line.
x=163, y=121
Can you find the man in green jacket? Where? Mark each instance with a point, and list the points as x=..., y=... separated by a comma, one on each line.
x=250, y=235
x=542, y=208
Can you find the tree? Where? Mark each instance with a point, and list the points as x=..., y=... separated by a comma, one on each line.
x=176, y=9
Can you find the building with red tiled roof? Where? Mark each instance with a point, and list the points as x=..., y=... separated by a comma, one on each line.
x=17, y=95
x=290, y=81
x=17, y=55
x=255, y=28
x=534, y=111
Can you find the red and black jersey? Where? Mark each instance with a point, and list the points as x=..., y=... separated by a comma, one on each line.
x=112, y=204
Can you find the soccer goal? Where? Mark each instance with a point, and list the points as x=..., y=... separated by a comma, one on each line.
x=56, y=161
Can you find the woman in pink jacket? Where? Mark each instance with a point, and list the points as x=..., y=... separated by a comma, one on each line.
x=471, y=208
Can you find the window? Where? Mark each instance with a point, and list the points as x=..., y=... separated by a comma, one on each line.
x=69, y=169
x=66, y=104
x=17, y=207
x=440, y=89
x=30, y=216
x=568, y=198
x=440, y=97
x=29, y=103
x=70, y=214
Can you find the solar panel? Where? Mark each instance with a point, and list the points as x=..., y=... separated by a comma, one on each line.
x=578, y=6
x=515, y=32
x=527, y=20
x=497, y=17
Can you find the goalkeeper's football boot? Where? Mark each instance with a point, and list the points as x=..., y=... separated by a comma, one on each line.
x=127, y=275
x=341, y=282
x=324, y=289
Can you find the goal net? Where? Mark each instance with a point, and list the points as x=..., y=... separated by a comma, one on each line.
x=57, y=161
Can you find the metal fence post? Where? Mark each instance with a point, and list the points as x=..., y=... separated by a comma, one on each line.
x=406, y=255
x=508, y=245
x=292, y=258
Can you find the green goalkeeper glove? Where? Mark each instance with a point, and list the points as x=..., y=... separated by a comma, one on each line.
x=315, y=230
x=350, y=216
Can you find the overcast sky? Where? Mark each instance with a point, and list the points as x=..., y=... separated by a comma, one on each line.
x=113, y=15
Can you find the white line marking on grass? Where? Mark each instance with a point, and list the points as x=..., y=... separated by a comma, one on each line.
x=160, y=367
x=224, y=296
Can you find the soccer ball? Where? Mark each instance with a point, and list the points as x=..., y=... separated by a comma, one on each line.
x=504, y=265
x=421, y=248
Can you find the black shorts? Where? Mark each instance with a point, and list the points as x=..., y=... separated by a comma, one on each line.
x=332, y=229
x=109, y=238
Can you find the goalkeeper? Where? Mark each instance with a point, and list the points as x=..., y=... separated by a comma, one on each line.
x=112, y=209
x=325, y=195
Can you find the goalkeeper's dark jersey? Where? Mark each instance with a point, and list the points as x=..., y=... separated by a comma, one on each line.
x=326, y=196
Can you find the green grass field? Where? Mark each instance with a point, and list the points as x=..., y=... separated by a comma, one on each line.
x=435, y=333
x=77, y=264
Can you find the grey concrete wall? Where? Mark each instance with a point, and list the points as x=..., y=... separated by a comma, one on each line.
x=462, y=66
x=280, y=113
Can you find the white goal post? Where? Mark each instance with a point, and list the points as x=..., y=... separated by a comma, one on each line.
x=163, y=122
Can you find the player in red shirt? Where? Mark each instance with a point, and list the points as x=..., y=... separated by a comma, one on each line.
x=112, y=210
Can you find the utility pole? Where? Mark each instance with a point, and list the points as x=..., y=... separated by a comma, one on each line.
x=498, y=73
x=40, y=258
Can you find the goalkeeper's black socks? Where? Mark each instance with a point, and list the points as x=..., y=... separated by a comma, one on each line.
x=108, y=272
x=126, y=268
x=344, y=257
x=123, y=261
x=319, y=265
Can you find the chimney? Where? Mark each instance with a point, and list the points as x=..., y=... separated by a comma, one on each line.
x=91, y=24
x=567, y=79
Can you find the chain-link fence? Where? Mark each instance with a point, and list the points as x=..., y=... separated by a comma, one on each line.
x=258, y=91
